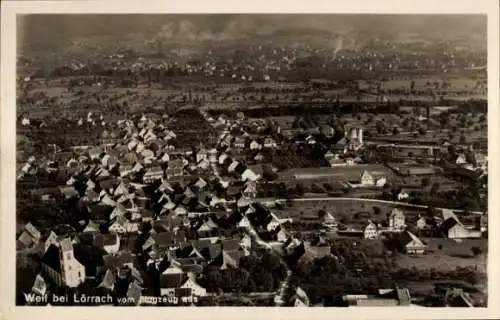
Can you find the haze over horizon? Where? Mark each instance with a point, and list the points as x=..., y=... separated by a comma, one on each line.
x=54, y=31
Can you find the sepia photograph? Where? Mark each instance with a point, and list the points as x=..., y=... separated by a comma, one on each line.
x=251, y=160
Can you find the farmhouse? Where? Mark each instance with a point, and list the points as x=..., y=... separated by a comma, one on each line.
x=370, y=179
x=196, y=289
x=454, y=229
x=410, y=244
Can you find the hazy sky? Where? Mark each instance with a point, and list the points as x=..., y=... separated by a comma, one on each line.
x=56, y=29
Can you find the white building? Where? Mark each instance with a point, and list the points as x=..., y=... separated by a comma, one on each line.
x=61, y=265
x=396, y=220
x=370, y=231
x=196, y=289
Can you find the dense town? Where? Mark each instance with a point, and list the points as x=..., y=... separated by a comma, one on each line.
x=254, y=175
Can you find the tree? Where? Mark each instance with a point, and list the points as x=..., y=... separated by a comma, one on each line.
x=317, y=188
x=425, y=182
x=249, y=263
x=476, y=251
x=268, y=173
x=435, y=188
x=321, y=213
x=344, y=218
x=299, y=189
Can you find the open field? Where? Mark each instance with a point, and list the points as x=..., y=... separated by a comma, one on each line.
x=447, y=254
x=353, y=213
x=442, y=262
x=348, y=173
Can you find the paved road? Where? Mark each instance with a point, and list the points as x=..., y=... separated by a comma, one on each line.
x=405, y=204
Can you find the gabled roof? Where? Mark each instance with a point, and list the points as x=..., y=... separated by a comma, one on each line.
x=165, y=186
x=147, y=213
x=192, y=268
x=121, y=220
x=102, y=240
x=32, y=230
x=371, y=225
x=109, y=183
x=200, y=244
x=118, y=260
x=204, y=227
x=230, y=244
x=212, y=251
x=92, y=195
x=189, y=193
x=449, y=223
x=407, y=237
x=173, y=280
x=302, y=295
x=168, y=222
x=51, y=258
x=119, y=210
x=108, y=280
x=39, y=285
x=164, y=238
x=134, y=291
x=154, y=171
x=231, y=258
x=447, y=214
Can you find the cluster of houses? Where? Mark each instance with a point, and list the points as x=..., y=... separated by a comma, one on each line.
x=166, y=214
x=243, y=138
x=183, y=211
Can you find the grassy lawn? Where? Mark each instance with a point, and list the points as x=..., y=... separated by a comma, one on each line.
x=441, y=262
x=451, y=254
